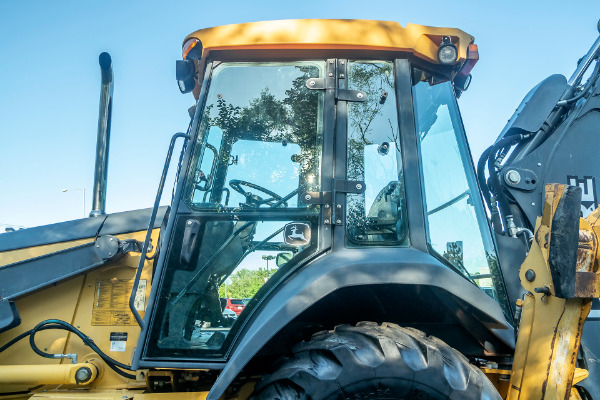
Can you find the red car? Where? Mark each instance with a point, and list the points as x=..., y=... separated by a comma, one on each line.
x=235, y=305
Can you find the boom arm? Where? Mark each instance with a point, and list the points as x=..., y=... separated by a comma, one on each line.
x=561, y=276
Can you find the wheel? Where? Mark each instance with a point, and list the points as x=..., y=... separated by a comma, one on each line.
x=375, y=362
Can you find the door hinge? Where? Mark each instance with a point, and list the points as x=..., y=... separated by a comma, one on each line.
x=341, y=94
x=327, y=199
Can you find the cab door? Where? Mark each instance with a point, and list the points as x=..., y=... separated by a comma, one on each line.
x=263, y=140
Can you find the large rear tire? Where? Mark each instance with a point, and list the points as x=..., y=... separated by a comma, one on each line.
x=375, y=362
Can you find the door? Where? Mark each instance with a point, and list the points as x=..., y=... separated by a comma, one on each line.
x=243, y=222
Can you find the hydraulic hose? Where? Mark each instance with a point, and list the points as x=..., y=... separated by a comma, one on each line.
x=585, y=89
x=59, y=324
x=489, y=156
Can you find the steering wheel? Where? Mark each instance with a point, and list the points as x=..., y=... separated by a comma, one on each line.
x=236, y=185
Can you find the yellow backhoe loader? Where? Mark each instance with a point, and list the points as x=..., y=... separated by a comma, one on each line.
x=335, y=150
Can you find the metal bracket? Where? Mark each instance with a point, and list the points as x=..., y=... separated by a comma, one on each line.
x=351, y=95
x=342, y=94
x=520, y=178
x=327, y=199
x=109, y=247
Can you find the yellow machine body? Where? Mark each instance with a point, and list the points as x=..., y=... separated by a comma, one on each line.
x=333, y=34
x=97, y=303
x=550, y=331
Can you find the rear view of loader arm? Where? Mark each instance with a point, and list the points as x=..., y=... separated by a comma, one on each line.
x=561, y=276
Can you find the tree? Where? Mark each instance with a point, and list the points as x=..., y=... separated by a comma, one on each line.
x=244, y=283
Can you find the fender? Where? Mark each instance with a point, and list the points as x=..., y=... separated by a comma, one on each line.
x=357, y=267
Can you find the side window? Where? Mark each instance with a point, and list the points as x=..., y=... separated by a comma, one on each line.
x=376, y=216
x=457, y=226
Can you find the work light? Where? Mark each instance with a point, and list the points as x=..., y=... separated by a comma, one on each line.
x=447, y=53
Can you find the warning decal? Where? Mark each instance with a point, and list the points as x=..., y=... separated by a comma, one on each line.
x=111, y=303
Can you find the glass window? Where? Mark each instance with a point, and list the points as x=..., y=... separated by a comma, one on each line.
x=457, y=226
x=259, y=142
x=376, y=216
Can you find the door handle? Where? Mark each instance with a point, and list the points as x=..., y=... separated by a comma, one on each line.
x=190, y=236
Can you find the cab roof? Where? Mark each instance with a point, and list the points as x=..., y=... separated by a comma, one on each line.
x=422, y=41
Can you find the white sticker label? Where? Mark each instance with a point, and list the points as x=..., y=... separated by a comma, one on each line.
x=118, y=341
x=117, y=346
x=140, y=296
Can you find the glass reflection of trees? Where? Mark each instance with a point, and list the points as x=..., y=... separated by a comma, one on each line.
x=292, y=119
x=372, y=123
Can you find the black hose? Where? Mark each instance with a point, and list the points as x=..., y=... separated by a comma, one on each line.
x=21, y=336
x=488, y=156
x=585, y=89
x=58, y=324
x=481, y=176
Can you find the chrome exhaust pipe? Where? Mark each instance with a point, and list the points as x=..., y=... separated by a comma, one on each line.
x=102, y=145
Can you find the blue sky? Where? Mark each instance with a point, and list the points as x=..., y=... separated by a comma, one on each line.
x=49, y=82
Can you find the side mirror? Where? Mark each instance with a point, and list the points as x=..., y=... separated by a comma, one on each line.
x=185, y=73
x=283, y=258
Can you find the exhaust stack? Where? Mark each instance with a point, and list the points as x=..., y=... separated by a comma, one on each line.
x=101, y=168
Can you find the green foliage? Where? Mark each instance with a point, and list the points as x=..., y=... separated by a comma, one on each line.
x=244, y=283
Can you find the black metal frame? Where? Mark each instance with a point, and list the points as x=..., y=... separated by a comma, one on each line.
x=257, y=330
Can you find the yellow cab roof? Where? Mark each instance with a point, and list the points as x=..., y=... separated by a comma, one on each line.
x=422, y=41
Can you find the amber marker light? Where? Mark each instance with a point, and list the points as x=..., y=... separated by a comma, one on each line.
x=190, y=45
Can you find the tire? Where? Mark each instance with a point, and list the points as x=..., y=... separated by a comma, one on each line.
x=374, y=362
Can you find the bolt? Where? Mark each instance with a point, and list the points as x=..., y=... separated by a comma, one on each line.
x=109, y=254
x=307, y=197
x=342, y=62
x=358, y=186
x=338, y=221
x=326, y=205
x=326, y=221
x=359, y=95
x=189, y=222
x=83, y=374
x=341, y=75
x=97, y=246
x=330, y=61
x=533, y=204
x=513, y=177
x=339, y=206
x=111, y=239
x=312, y=83
x=539, y=164
x=530, y=275
x=330, y=74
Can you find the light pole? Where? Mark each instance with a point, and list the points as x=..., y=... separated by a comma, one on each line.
x=83, y=202
x=268, y=258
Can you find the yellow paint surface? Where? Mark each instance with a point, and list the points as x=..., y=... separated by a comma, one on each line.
x=423, y=41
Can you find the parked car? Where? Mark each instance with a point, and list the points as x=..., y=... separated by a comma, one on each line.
x=235, y=305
